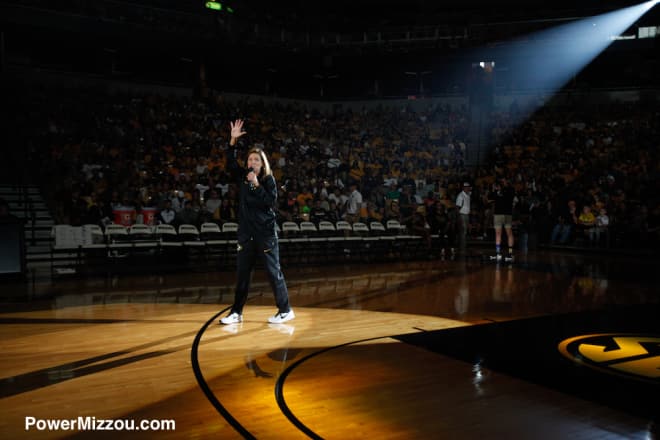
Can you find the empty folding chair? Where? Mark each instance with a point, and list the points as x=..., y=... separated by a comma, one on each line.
x=294, y=244
x=385, y=240
x=369, y=242
x=141, y=235
x=316, y=241
x=326, y=228
x=229, y=230
x=327, y=231
x=93, y=244
x=115, y=233
x=393, y=227
x=210, y=232
x=397, y=230
x=351, y=241
x=229, y=233
x=116, y=237
x=167, y=235
x=92, y=234
x=189, y=235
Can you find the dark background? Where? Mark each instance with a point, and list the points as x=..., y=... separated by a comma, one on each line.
x=296, y=48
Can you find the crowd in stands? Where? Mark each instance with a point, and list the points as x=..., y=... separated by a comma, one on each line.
x=582, y=175
x=585, y=176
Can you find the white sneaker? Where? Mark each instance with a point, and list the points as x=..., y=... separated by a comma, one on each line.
x=279, y=318
x=232, y=318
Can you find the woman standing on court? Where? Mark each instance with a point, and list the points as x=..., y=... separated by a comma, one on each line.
x=257, y=236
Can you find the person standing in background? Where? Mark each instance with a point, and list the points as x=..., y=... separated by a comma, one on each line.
x=463, y=206
x=504, y=201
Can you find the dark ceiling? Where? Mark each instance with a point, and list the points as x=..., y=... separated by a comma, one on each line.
x=351, y=15
x=282, y=47
x=346, y=15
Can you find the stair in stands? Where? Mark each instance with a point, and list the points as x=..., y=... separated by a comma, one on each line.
x=27, y=203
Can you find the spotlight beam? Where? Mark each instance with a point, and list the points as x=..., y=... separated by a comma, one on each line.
x=563, y=51
x=549, y=59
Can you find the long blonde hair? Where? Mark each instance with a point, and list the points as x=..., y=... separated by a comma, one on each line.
x=265, y=169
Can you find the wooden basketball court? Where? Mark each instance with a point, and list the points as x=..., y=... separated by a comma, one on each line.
x=461, y=349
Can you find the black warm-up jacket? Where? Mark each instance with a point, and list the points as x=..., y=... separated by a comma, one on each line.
x=256, y=206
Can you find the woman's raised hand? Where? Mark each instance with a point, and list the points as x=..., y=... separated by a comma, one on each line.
x=237, y=128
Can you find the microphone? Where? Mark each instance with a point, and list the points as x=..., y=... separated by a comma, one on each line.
x=251, y=170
